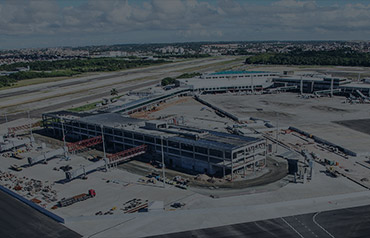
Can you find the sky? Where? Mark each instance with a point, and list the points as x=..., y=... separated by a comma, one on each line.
x=51, y=23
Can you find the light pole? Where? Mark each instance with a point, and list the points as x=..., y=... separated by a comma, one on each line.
x=102, y=137
x=30, y=125
x=163, y=169
x=277, y=132
x=64, y=140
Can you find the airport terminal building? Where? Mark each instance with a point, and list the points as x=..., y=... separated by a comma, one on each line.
x=196, y=150
x=230, y=81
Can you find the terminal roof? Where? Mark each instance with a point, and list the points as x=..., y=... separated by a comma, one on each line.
x=238, y=72
x=110, y=119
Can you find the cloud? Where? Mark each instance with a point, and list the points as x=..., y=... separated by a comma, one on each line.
x=192, y=19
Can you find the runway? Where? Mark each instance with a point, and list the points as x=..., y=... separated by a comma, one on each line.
x=19, y=220
x=36, y=113
x=346, y=223
x=85, y=96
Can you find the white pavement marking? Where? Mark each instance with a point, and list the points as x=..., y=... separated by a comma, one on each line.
x=292, y=227
x=305, y=227
x=96, y=233
x=317, y=224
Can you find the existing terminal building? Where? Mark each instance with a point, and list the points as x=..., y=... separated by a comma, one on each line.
x=234, y=81
x=230, y=81
x=201, y=151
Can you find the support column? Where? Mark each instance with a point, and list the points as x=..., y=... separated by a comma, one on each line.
x=232, y=168
x=193, y=165
x=331, y=87
x=223, y=168
x=208, y=159
x=254, y=159
x=244, y=158
x=163, y=166
x=105, y=157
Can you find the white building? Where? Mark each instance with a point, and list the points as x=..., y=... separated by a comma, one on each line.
x=230, y=81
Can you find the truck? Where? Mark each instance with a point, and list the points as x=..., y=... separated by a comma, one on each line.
x=15, y=168
x=332, y=171
x=81, y=197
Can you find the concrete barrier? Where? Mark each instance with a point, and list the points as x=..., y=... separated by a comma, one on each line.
x=33, y=205
x=228, y=114
x=322, y=141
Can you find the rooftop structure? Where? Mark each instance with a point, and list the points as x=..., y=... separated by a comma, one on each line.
x=314, y=83
x=230, y=81
x=147, y=102
x=238, y=74
x=188, y=148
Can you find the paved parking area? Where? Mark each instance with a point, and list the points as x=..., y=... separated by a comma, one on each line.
x=20, y=220
x=350, y=222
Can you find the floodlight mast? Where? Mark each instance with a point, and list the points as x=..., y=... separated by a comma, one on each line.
x=163, y=169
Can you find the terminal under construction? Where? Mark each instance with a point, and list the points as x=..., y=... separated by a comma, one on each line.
x=192, y=149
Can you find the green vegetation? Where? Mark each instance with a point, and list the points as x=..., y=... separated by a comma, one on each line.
x=113, y=92
x=10, y=79
x=86, y=107
x=68, y=68
x=184, y=56
x=298, y=57
x=83, y=65
x=188, y=75
x=169, y=80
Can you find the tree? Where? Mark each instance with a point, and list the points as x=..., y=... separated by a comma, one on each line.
x=167, y=81
x=113, y=92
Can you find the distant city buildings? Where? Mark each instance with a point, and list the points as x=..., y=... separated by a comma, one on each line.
x=177, y=50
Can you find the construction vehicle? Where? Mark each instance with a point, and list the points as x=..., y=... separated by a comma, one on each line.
x=178, y=205
x=332, y=171
x=81, y=197
x=135, y=205
x=17, y=156
x=15, y=168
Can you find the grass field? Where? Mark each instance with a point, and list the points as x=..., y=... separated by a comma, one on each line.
x=84, y=108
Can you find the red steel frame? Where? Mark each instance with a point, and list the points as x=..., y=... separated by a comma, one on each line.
x=79, y=145
x=11, y=130
x=126, y=153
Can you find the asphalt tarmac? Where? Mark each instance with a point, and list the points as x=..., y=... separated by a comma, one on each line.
x=346, y=223
x=19, y=220
x=361, y=125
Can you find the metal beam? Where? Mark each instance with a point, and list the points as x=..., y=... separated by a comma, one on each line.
x=84, y=144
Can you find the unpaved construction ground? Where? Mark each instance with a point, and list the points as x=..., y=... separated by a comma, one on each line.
x=276, y=169
x=314, y=115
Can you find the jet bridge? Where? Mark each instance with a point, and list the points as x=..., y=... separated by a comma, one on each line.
x=112, y=160
x=46, y=156
x=14, y=143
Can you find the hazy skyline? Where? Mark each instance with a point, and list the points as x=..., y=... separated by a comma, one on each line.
x=51, y=23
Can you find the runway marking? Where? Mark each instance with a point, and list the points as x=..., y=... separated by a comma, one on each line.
x=313, y=233
x=292, y=228
x=317, y=224
x=96, y=233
